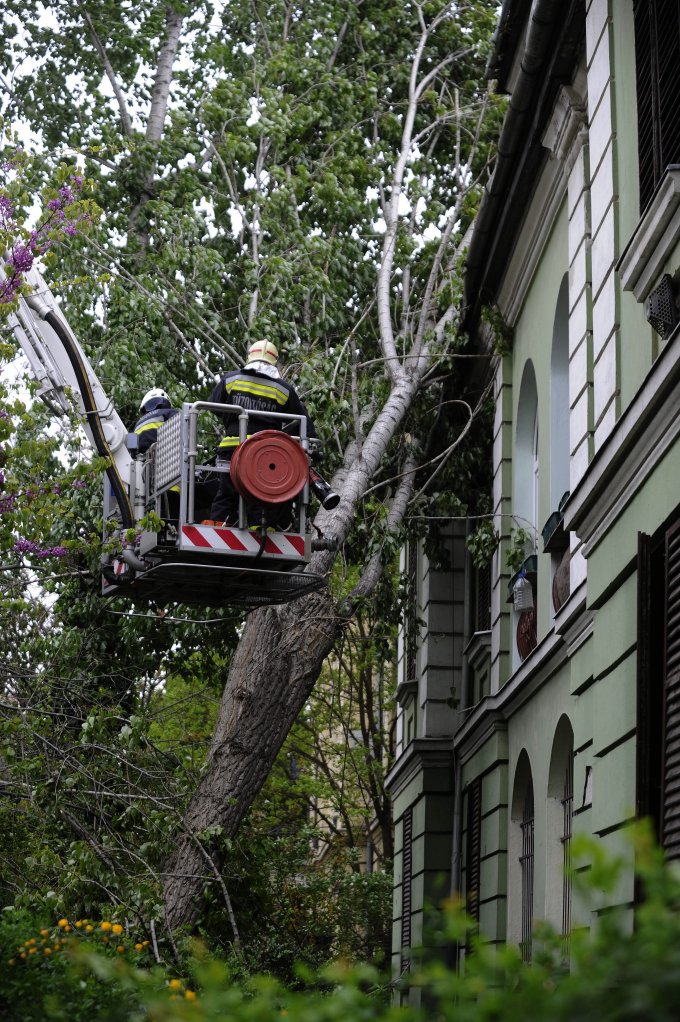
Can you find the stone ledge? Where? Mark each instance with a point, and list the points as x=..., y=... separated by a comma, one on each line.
x=653, y=240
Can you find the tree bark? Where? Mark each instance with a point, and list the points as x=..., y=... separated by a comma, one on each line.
x=273, y=671
x=278, y=659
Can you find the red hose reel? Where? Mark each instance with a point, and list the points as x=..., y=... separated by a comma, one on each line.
x=269, y=467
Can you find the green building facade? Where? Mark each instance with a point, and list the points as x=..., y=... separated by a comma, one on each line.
x=555, y=709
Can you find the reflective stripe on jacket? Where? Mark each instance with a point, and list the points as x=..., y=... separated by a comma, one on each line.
x=256, y=392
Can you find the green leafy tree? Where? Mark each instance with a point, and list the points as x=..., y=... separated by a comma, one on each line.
x=308, y=175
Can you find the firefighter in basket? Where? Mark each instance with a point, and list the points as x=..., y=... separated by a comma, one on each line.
x=259, y=386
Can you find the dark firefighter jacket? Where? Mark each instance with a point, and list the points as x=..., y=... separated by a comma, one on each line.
x=257, y=392
x=146, y=428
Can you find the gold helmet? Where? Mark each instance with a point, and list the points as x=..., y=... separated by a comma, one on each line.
x=263, y=351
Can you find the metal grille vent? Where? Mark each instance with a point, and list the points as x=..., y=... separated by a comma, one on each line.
x=661, y=309
x=168, y=461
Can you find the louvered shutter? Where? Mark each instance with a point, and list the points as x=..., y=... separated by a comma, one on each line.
x=670, y=830
x=412, y=611
x=657, y=58
x=473, y=856
x=406, y=878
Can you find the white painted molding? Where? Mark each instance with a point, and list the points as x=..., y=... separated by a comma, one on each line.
x=564, y=137
x=653, y=240
x=646, y=430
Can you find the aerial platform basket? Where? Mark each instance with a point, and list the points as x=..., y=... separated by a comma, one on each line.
x=199, y=562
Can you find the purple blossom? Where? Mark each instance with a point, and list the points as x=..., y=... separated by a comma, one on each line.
x=26, y=546
x=66, y=195
x=7, y=504
x=2, y=478
x=29, y=546
x=77, y=181
x=54, y=204
x=6, y=207
x=3, y=414
x=79, y=484
x=8, y=290
x=70, y=229
x=22, y=258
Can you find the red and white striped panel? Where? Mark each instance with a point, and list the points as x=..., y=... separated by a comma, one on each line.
x=239, y=541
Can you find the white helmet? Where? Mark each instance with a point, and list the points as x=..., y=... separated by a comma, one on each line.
x=155, y=394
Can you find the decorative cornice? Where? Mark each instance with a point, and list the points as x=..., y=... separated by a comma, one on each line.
x=406, y=689
x=478, y=649
x=564, y=137
x=531, y=240
x=574, y=621
x=644, y=433
x=654, y=238
x=421, y=753
x=536, y=670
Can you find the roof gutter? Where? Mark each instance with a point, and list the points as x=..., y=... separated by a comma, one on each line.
x=553, y=35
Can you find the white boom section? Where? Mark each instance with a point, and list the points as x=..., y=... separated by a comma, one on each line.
x=60, y=388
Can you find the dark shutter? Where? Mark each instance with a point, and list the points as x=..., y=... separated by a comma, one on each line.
x=483, y=608
x=406, y=878
x=670, y=829
x=473, y=852
x=657, y=59
x=411, y=611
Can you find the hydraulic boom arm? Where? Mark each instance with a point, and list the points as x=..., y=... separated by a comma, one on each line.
x=68, y=383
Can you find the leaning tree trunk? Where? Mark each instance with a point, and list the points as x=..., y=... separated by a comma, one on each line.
x=273, y=671
x=277, y=661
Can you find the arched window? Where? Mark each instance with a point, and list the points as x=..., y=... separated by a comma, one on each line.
x=559, y=827
x=559, y=398
x=521, y=855
x=526, y=465
x=525, y=500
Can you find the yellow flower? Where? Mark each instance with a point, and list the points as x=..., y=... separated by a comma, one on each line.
x=117, y=928
x=105, y=926
x=175, y=984
x=105, y=940
x=23, y=954
x=145, y=943
x=120, y=949
x=139, y=947
x=56, y=946
x=43, y=933
x=79, y=924
x=11, y=961
x=63, y=922
x=32, y=951
x=89, y=929
x=32, y=940
x=190, y=995
x=67, y=929
x=47, y=951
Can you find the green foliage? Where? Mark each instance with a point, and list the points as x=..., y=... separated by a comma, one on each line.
x=482, y=543
x=613, y=971
x=520, y=540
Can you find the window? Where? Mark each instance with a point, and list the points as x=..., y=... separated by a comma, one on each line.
x=526, y=862
x=559, y=811
x=521, y=858
x=657, y=58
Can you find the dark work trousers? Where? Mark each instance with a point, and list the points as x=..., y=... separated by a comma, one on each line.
x=225, y=505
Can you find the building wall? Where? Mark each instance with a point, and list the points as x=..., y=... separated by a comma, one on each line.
x=568, y=715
